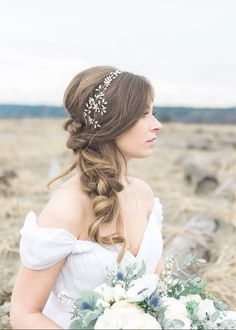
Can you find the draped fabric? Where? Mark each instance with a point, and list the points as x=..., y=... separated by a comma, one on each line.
x=86, y=261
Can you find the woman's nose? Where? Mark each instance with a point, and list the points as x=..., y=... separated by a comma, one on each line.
x=157, y=125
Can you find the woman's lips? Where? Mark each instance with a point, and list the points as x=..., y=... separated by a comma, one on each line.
x=153, y=140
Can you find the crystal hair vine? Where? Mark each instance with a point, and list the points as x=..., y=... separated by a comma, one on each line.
x=98, y=103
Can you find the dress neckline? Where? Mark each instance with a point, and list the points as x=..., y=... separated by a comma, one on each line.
x=149, y=217
x=117, y=245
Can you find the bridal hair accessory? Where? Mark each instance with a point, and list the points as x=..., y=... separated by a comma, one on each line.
x=98, y=103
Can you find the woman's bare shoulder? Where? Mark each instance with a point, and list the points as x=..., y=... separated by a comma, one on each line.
x=65, y=209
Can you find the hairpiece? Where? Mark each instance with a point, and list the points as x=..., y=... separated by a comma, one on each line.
x=98, y=103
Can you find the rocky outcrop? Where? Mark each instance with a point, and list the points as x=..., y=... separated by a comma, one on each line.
x=227, y=189
x=5, y=297
x=201, y=177
x=194, y=238
x=5, y=181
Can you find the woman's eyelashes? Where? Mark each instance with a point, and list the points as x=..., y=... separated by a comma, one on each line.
x=153, y=113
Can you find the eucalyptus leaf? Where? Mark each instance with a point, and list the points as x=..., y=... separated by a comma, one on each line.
x=175, y=282
x=188, y=259
x=76, y=324
x=128, y=271
x=220, y=305
x=134, y=265
x=91, y=297
x=214, y=316
x=168, y=324
x=100, y=309
x=141, y=272
x=228, y=324
x=89, y=318
x=200, y=261
x=131, y=271
x=178, y=324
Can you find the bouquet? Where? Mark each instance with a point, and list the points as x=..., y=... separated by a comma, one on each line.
x=131, y=299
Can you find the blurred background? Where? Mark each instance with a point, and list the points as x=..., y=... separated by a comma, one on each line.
x=187, y=50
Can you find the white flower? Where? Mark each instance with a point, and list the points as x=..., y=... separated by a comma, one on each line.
x=192, y=297
x=176, y=310
x=119, y=292
x=126, y=307
x=102, y=302
x=123, y=315
x=142, y=288
x=65, y=298
x=111, y=294
x=205, y=307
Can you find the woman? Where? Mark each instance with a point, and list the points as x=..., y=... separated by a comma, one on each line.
x=99, y=217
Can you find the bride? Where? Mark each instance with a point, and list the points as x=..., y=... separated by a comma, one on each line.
x=99, y=217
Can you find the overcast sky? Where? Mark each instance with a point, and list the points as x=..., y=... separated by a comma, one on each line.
x=186, y=48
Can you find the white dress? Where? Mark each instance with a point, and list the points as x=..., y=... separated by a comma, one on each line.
x=86, y=261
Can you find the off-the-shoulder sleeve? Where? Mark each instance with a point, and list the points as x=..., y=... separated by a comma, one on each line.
x=43, y=247
x=158, y=212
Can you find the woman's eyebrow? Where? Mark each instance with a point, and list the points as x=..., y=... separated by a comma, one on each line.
x=148, y=106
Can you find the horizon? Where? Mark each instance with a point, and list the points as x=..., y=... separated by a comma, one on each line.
x=157, y=106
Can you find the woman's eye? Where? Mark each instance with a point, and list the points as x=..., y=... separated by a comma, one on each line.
x=153, y=113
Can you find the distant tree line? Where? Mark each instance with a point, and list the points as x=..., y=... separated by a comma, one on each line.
x=165, y=114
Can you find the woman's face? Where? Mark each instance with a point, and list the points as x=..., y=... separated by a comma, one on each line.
x=135, y=142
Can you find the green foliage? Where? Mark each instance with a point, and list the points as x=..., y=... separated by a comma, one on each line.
x=173, y=284
x=76, y=324
x=90, y=297
x=83, y=317
x=141, y=271
x=192, y=307
x=144, y=305
x=220, y=305
x=189, y=260
x=217, y=303
x=130, y=275
x=215, y=316
x=192, y=284
x=90, y=320
x=87, y=323
x=173, y=324
x=227, y=324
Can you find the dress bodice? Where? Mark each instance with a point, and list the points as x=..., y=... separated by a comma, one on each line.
x=86, y=261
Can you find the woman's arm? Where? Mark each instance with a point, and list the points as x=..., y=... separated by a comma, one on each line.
x=35, y=321
x=33, y=287
x=29, y=296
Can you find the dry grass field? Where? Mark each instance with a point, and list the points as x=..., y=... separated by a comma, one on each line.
x=192, y=171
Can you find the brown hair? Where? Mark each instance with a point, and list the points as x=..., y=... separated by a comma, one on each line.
x=96, y=155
